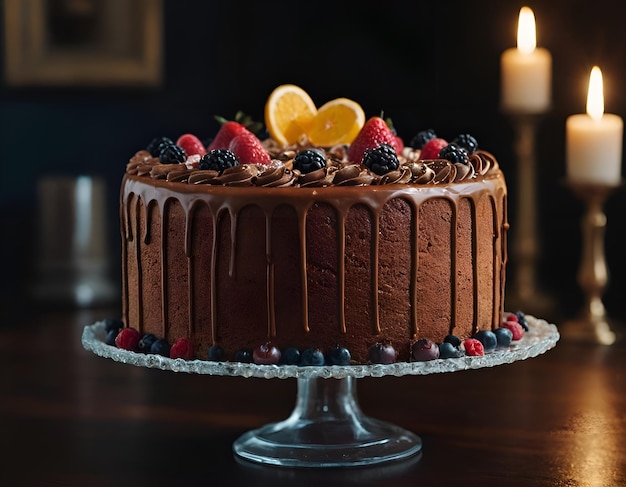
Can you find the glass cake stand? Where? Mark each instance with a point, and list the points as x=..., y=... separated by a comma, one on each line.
x=327, y=427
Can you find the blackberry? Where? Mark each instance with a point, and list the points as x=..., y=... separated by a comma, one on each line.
x=172, y=154
x=454, y=153
x=381, y=160
x=158, y=144
x=309, y=160
x=466, y=141
x=218, y=160
x=418, y=141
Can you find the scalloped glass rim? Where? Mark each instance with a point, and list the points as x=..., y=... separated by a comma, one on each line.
x=541, y=337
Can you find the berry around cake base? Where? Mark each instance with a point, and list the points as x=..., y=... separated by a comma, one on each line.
x=238, y=268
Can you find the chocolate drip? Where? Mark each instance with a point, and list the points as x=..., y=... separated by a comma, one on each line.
x=151, y=195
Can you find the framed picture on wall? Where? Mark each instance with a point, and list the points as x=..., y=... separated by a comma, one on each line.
x=83, y=42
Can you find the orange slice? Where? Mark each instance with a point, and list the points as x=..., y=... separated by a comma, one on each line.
x=289, y=111
x=337, y=122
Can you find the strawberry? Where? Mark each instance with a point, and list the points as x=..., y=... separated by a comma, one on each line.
x=374, y=133
x=399, y=144
x=182, y=348
x=191, y=144
x=432, y=147
x=248, y=149
x=227, y=132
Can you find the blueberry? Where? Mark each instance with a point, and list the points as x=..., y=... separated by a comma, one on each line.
x=424, y=350
x=312, y=356
x=290, y=356
x=244, y=355
x=146, y=342
x=504, y=336
x=338, y=356
x=447, y=350
x=113, y=324
x=309, y=160
x=382, y=353
x=381, y=160
x=488, y=339
x=110, y=337
x=521, y=319
x=161, y=347
x=454, y=340
x=215, y=353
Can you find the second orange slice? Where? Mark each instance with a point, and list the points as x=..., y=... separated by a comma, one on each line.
x=337, y=122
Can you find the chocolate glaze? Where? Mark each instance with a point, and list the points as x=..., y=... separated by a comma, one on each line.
x=188, y=251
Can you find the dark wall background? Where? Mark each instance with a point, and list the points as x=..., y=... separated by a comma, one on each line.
x=426, y=64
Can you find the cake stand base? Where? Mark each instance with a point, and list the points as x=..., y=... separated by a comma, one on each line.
x=327, y=429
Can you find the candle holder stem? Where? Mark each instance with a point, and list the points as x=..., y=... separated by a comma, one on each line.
x=593, y=275
x=524, y=294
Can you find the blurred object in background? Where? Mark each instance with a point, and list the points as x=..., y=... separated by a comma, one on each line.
x=72, y=263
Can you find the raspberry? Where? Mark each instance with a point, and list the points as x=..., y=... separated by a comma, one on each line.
x=127, y=339
x=515, y=327
x=508, y=316
x=182, y=348
x=432, y=147
x=473, y=347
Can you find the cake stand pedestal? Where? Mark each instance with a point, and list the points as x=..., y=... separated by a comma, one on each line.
x=327, y=427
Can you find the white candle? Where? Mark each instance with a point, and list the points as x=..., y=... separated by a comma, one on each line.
x=594, y=140
x=526, y=71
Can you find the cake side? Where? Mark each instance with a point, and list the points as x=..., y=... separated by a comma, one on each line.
x=313, y=267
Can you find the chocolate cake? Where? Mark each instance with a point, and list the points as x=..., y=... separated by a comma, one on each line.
x=264, y=255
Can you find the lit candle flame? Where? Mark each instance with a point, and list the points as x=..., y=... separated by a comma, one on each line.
x=595, y=95
x=526, y=31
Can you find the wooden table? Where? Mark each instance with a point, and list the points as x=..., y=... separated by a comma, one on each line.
x=71, y=418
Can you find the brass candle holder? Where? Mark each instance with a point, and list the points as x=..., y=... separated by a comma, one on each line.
x=593, y=325
x=525, y=294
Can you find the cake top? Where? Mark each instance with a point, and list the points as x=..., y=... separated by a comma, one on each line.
x=334, y=145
